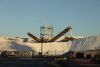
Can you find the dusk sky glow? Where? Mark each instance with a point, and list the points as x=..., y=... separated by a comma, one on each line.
x=17, y=17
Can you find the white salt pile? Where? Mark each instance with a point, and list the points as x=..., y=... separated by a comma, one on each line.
x=16, y=44
x=88, y=43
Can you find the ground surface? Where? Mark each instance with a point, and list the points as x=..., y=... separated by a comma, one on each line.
x=40, y=62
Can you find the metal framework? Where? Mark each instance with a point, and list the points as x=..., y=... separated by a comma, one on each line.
x=46, y=32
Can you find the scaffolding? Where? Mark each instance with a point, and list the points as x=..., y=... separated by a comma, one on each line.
x=46, y=32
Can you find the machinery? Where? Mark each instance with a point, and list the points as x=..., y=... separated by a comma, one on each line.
x=42, y=39
x=61, y=34
x=46, y=45
x=49, y=44
x=34, y=37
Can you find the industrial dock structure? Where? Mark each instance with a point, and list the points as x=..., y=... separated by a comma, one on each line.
x=60, y=50
x=46, y=44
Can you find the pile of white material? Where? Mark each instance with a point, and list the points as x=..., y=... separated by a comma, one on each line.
x=88, y=43
x=3, y=39
x=81, y=44
x=16, y=44
x=53, y=48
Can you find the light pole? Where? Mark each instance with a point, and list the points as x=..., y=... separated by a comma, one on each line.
x=41, y=46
